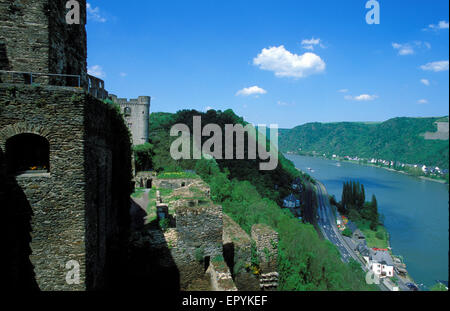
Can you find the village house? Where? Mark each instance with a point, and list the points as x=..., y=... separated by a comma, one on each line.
x=291, y=201
x=378, y=261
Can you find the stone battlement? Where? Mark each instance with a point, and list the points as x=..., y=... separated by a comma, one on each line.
x=141, y=100
x=136, y=113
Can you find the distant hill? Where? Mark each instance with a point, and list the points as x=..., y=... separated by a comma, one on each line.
x=398, y=139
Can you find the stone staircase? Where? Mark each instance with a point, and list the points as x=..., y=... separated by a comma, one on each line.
x=268, y=281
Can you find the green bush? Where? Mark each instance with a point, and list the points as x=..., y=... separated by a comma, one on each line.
x=143, y=156
x=218, y=258
x=200, y=254
x=164, y=224
x=379, y=235
x=347, y=232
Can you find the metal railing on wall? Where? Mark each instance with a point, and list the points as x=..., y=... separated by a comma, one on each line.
x=95, y=86
x=30, y=77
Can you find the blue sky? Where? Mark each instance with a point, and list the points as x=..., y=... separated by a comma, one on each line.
x=275, y=62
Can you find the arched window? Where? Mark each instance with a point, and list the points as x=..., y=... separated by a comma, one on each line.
x=127, y=111
x=27, y=153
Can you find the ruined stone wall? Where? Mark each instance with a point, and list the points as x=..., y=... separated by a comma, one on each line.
x=237, y=253
x=266, y=241
x=220, y=276
x=77, y=211
x=142, y=179
x=199, y=233
x=172, y=183
x=34, y=37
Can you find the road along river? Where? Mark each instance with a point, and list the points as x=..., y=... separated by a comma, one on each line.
x=416, y=211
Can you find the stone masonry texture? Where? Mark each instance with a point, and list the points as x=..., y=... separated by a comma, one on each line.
x=34, y=37
x=136, y=114
x=266, y=240
x=80, y=209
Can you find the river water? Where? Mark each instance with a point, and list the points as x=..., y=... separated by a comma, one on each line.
x=416, y=211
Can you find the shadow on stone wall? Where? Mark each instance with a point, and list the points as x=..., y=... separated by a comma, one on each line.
x=228, y=255
x=18, y=272
x=151, y=266
x=137, y=215
x=4, y=61
x=107, y=167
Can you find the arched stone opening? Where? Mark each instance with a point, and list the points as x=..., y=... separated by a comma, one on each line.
x=27, y=153
x=149, y=184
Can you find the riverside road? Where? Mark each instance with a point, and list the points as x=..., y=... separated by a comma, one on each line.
x=326, y=221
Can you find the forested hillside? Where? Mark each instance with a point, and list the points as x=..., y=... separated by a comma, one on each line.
x=251, y=196
x=398, y=139
x=272, y=184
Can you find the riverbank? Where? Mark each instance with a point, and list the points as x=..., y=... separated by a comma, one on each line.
x=438, y=180
x=415, y=233
x=376, y=240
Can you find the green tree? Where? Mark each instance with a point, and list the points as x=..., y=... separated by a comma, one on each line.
x=143, y=156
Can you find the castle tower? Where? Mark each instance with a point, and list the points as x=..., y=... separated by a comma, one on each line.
x=65, y=156
x=136, y=114
x=35, y=37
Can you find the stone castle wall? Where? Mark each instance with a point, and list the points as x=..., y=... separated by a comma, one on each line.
x=266, y=240
x=199, y=231
x=237, y=250
x=34, y=37
x=77, y=211
x=136, y=117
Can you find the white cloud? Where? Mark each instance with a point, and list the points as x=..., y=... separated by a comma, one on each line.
x=343, y=91
x=422, y=101
x=287, y=64
x=436, y=66
x=409, y=48
x=94, y=13
x=403, y=49
x=280, y=103
x=208, y=108
x=96, y=71
x=443, y=25
x=438, y=26
x=362, y=97
x=123, y=74
x=253, y=90
x=425, y=82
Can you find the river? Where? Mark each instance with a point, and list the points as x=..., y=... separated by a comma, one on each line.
x=416, y=211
